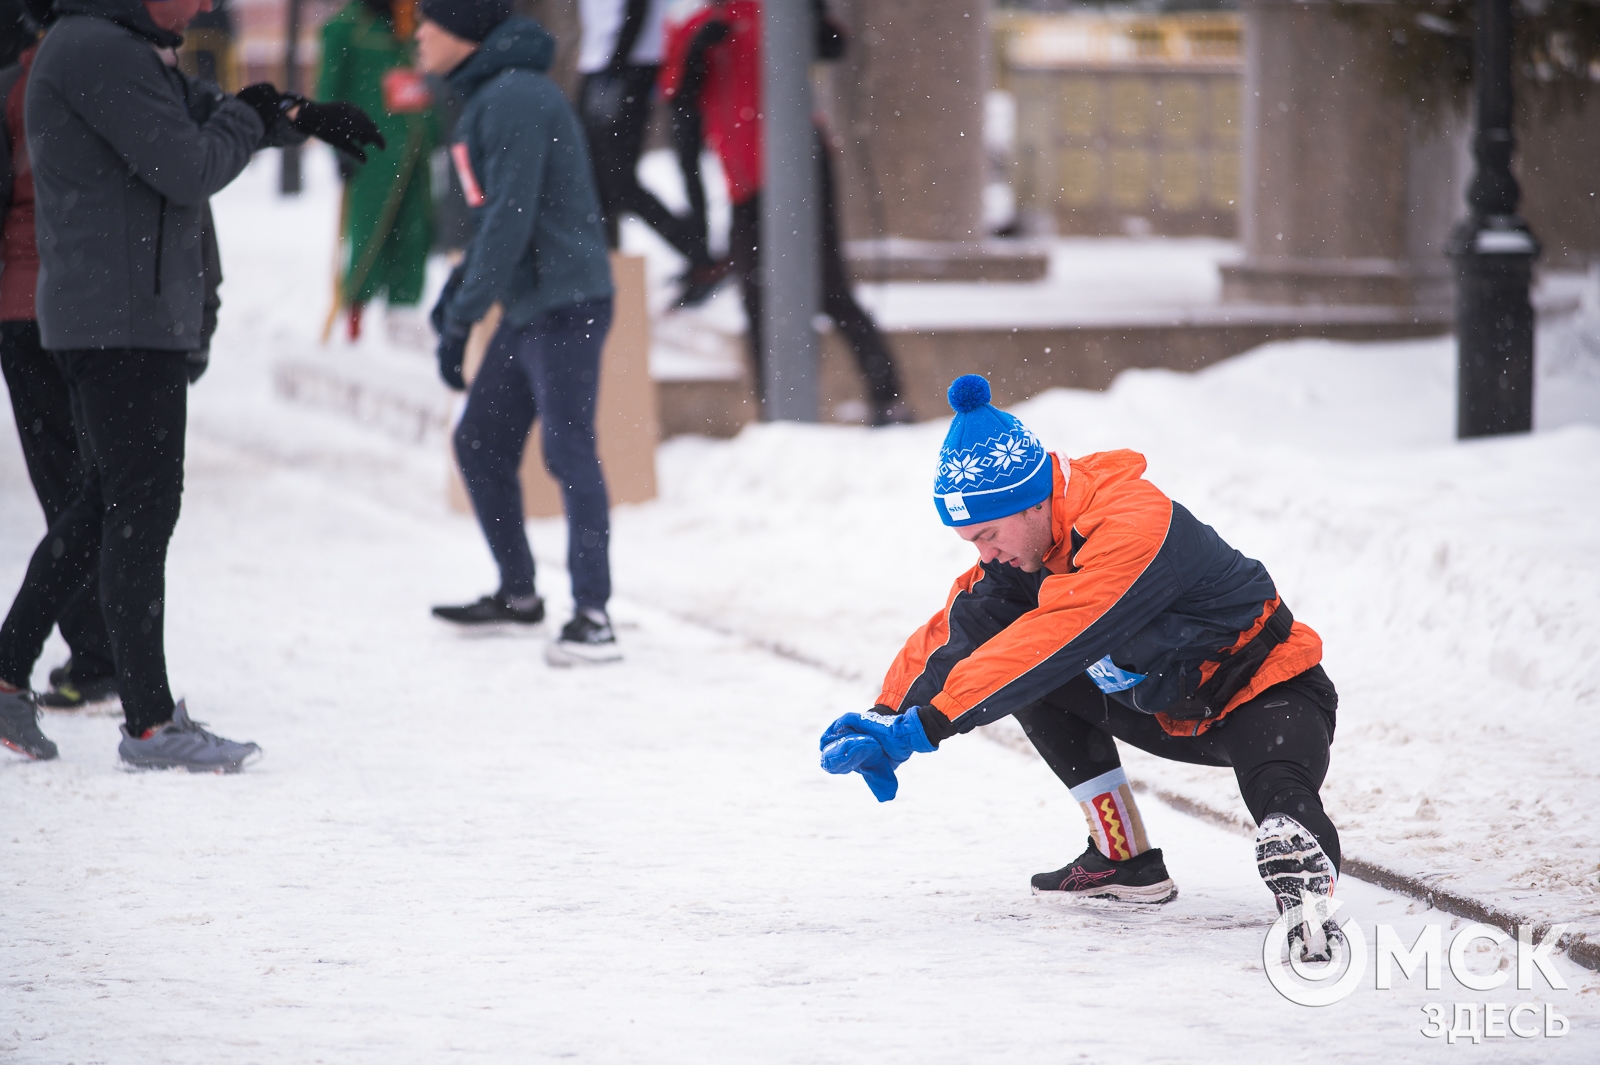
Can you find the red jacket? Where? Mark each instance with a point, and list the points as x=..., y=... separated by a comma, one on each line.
x=730, y=99
x=19, y=249
x=1133, y=577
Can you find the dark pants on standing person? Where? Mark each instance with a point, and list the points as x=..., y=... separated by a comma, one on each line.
x=130, y=408
x=1276, y=744
x=42, y=406
x=688, y=140
x=549, y=371
x=615, y=107
x=744, y=248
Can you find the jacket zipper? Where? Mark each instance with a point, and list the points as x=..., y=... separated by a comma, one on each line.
x=161, y=229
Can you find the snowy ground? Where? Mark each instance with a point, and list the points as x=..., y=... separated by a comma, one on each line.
x=452, y=851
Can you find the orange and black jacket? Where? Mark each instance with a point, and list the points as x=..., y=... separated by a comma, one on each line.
x=1133, y=576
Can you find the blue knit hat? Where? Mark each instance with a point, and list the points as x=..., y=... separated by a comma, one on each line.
x=991, y=465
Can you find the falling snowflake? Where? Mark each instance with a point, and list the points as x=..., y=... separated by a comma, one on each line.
x=963, y=468
x=1008, y=451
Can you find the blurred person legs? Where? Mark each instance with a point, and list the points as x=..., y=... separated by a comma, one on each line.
x=700, y=283
x=130, y=409
x=1277, y=745
x=547, y=371
x=388, y=210
x=838, y=301
x=42, y=407
x=615, y=107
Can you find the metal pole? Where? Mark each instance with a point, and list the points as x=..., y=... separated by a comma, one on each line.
x=790, y=227
x=1493, y=251
x=289, y=182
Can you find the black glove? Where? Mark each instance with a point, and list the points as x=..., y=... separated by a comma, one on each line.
x=195, y=363
x=265, y=100
x=344, y=126
x=446, y=294
x=452, y=352
x=348, y=167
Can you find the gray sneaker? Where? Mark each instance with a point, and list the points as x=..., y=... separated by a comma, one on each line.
x=19, y=727
x=183, y=744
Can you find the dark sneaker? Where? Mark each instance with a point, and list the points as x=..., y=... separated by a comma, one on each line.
x=183, y=744
x=1300, y=876
x=586, y=640
x=70, y=694
x=495, y=610
x=61, y=674
x=702, y=282
x=1141, y=879
x=19, y=727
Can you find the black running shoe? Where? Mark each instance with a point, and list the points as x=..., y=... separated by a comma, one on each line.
x=19, y=727
x=586, y=640
x=1300, y=876
x=1141, y=879
x=493, y=610
x=70, y=694
x=61, y=674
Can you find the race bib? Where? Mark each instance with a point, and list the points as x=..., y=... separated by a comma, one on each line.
x=405, y=92
x=1109, y=678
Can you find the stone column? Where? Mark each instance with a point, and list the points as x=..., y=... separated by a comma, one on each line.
x=1341, y=192
x=905, y=108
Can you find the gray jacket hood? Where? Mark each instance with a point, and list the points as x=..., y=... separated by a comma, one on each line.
x=130, y=14
x=516, y=42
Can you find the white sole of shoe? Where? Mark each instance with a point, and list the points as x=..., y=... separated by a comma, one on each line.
x=1299, y=874
x=477, y=630
x=562, y=654
x=171, y=767
x=1149, y=895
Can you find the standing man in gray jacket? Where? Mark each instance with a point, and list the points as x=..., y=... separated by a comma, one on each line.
x=126, y=152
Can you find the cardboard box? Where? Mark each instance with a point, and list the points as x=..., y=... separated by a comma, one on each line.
x=625, y=417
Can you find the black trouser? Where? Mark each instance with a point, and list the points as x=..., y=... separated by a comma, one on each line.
x=616, y=113
x=744, y=247
x=1277, y=744
x=687, y=139
x=130, y=409
x=549, y=371
x=42, y=406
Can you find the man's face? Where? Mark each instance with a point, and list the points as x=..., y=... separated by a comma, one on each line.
x=438, y=50
x=175, y=15
x=1020, y=540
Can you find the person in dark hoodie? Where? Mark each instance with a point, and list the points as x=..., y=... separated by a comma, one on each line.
x=124, y=164
x=539, y=250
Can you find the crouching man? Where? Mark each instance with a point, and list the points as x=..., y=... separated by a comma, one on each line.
x=1101, y=610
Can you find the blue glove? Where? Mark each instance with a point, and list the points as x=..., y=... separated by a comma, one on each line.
x=874, y=745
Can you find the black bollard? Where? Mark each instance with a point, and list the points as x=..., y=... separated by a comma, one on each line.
x=1493, y=252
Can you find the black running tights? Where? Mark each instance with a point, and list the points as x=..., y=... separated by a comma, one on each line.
x=130, y=410
x=1276, y=744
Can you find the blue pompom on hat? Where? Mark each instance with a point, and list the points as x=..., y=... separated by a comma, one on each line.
x=991, y=465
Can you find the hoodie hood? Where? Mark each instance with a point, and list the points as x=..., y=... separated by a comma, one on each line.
x=129, y=14
x=516, y=43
